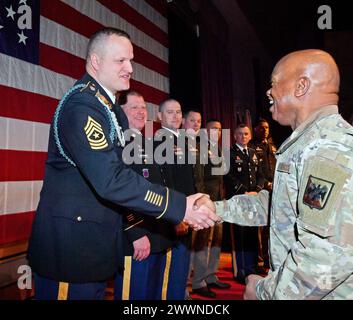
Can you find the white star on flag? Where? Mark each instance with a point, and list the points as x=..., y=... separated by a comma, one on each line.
x=10, y=13
x=22, y=37
x=1, y=27
x=22, y=1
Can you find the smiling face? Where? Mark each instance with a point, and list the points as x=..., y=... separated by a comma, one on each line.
x=281, y=95
x=136, y=112
x=192, y=123
x=111, y=64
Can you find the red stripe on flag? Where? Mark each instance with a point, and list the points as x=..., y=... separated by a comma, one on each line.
x=15, y=227
x=22, y=165
x=26, y=105
x=159, y=5
x=61, y=61
x=122, y=9
x=76, y=21
x=69, y=17
x=150, y=61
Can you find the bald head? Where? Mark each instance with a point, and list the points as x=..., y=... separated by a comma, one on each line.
x=316, y=65
x=302, y=83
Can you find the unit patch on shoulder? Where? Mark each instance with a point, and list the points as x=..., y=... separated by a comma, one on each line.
x=320, y=194
x=95, y=134
x=317, y=192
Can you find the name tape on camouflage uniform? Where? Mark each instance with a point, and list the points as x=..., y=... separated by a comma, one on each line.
x=283, y=167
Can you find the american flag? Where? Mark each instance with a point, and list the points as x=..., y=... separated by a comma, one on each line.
x=42, y=52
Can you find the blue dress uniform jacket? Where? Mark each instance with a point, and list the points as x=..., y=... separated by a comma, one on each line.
x=178, y=176
x=77, y=230
x=245, y=174
x=266, y=155
x=160, y=234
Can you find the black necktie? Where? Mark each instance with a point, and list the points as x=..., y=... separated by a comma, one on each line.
x=245, y=151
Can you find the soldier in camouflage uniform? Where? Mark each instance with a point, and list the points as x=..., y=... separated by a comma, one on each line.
x=311, y=215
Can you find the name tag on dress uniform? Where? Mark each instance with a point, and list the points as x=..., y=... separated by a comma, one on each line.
x=178, y=151
x=238, y=160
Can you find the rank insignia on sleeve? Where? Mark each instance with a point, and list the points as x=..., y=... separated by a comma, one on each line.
x=95, y=134
x=154, y=198
x=317, y=192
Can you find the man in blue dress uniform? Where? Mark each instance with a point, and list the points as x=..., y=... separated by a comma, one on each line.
x=245, y=175
x=76, y=240
x=145, y=240
x=179, y=176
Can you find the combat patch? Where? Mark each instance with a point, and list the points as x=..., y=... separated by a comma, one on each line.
x=95, y=134
x=317, y=192
x=320, y=191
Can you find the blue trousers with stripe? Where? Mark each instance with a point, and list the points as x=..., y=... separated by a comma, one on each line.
x=142, y=280
x=47, y=289
x=179, y=269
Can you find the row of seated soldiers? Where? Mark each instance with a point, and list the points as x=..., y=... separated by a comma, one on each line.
x=159, y=258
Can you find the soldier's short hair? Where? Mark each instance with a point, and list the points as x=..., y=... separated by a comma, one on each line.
x=240, y=126
x=261, y=120
x=186, y=113
x=125, y=94
x=164, y=103
x=212, y=120
x=100, y=35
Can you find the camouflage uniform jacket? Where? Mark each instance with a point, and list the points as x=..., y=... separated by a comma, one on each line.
x=311, y=216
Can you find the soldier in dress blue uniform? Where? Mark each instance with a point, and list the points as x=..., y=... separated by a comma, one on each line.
x=245, y=175
x=179, y=176
x=76, y=239
x=145, y=241
x=266, y=153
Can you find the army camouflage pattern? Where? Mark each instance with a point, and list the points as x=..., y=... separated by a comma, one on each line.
x=311, y=222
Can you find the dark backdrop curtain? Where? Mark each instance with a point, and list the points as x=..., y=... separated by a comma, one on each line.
x=216, y=75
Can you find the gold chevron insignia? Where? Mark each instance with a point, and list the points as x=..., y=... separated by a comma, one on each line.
x=154, y=198
x=95, y=134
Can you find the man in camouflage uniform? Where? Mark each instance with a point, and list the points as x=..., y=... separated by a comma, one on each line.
x=311, y=215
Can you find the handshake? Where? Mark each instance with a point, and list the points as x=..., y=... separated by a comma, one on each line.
x=200, y=212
